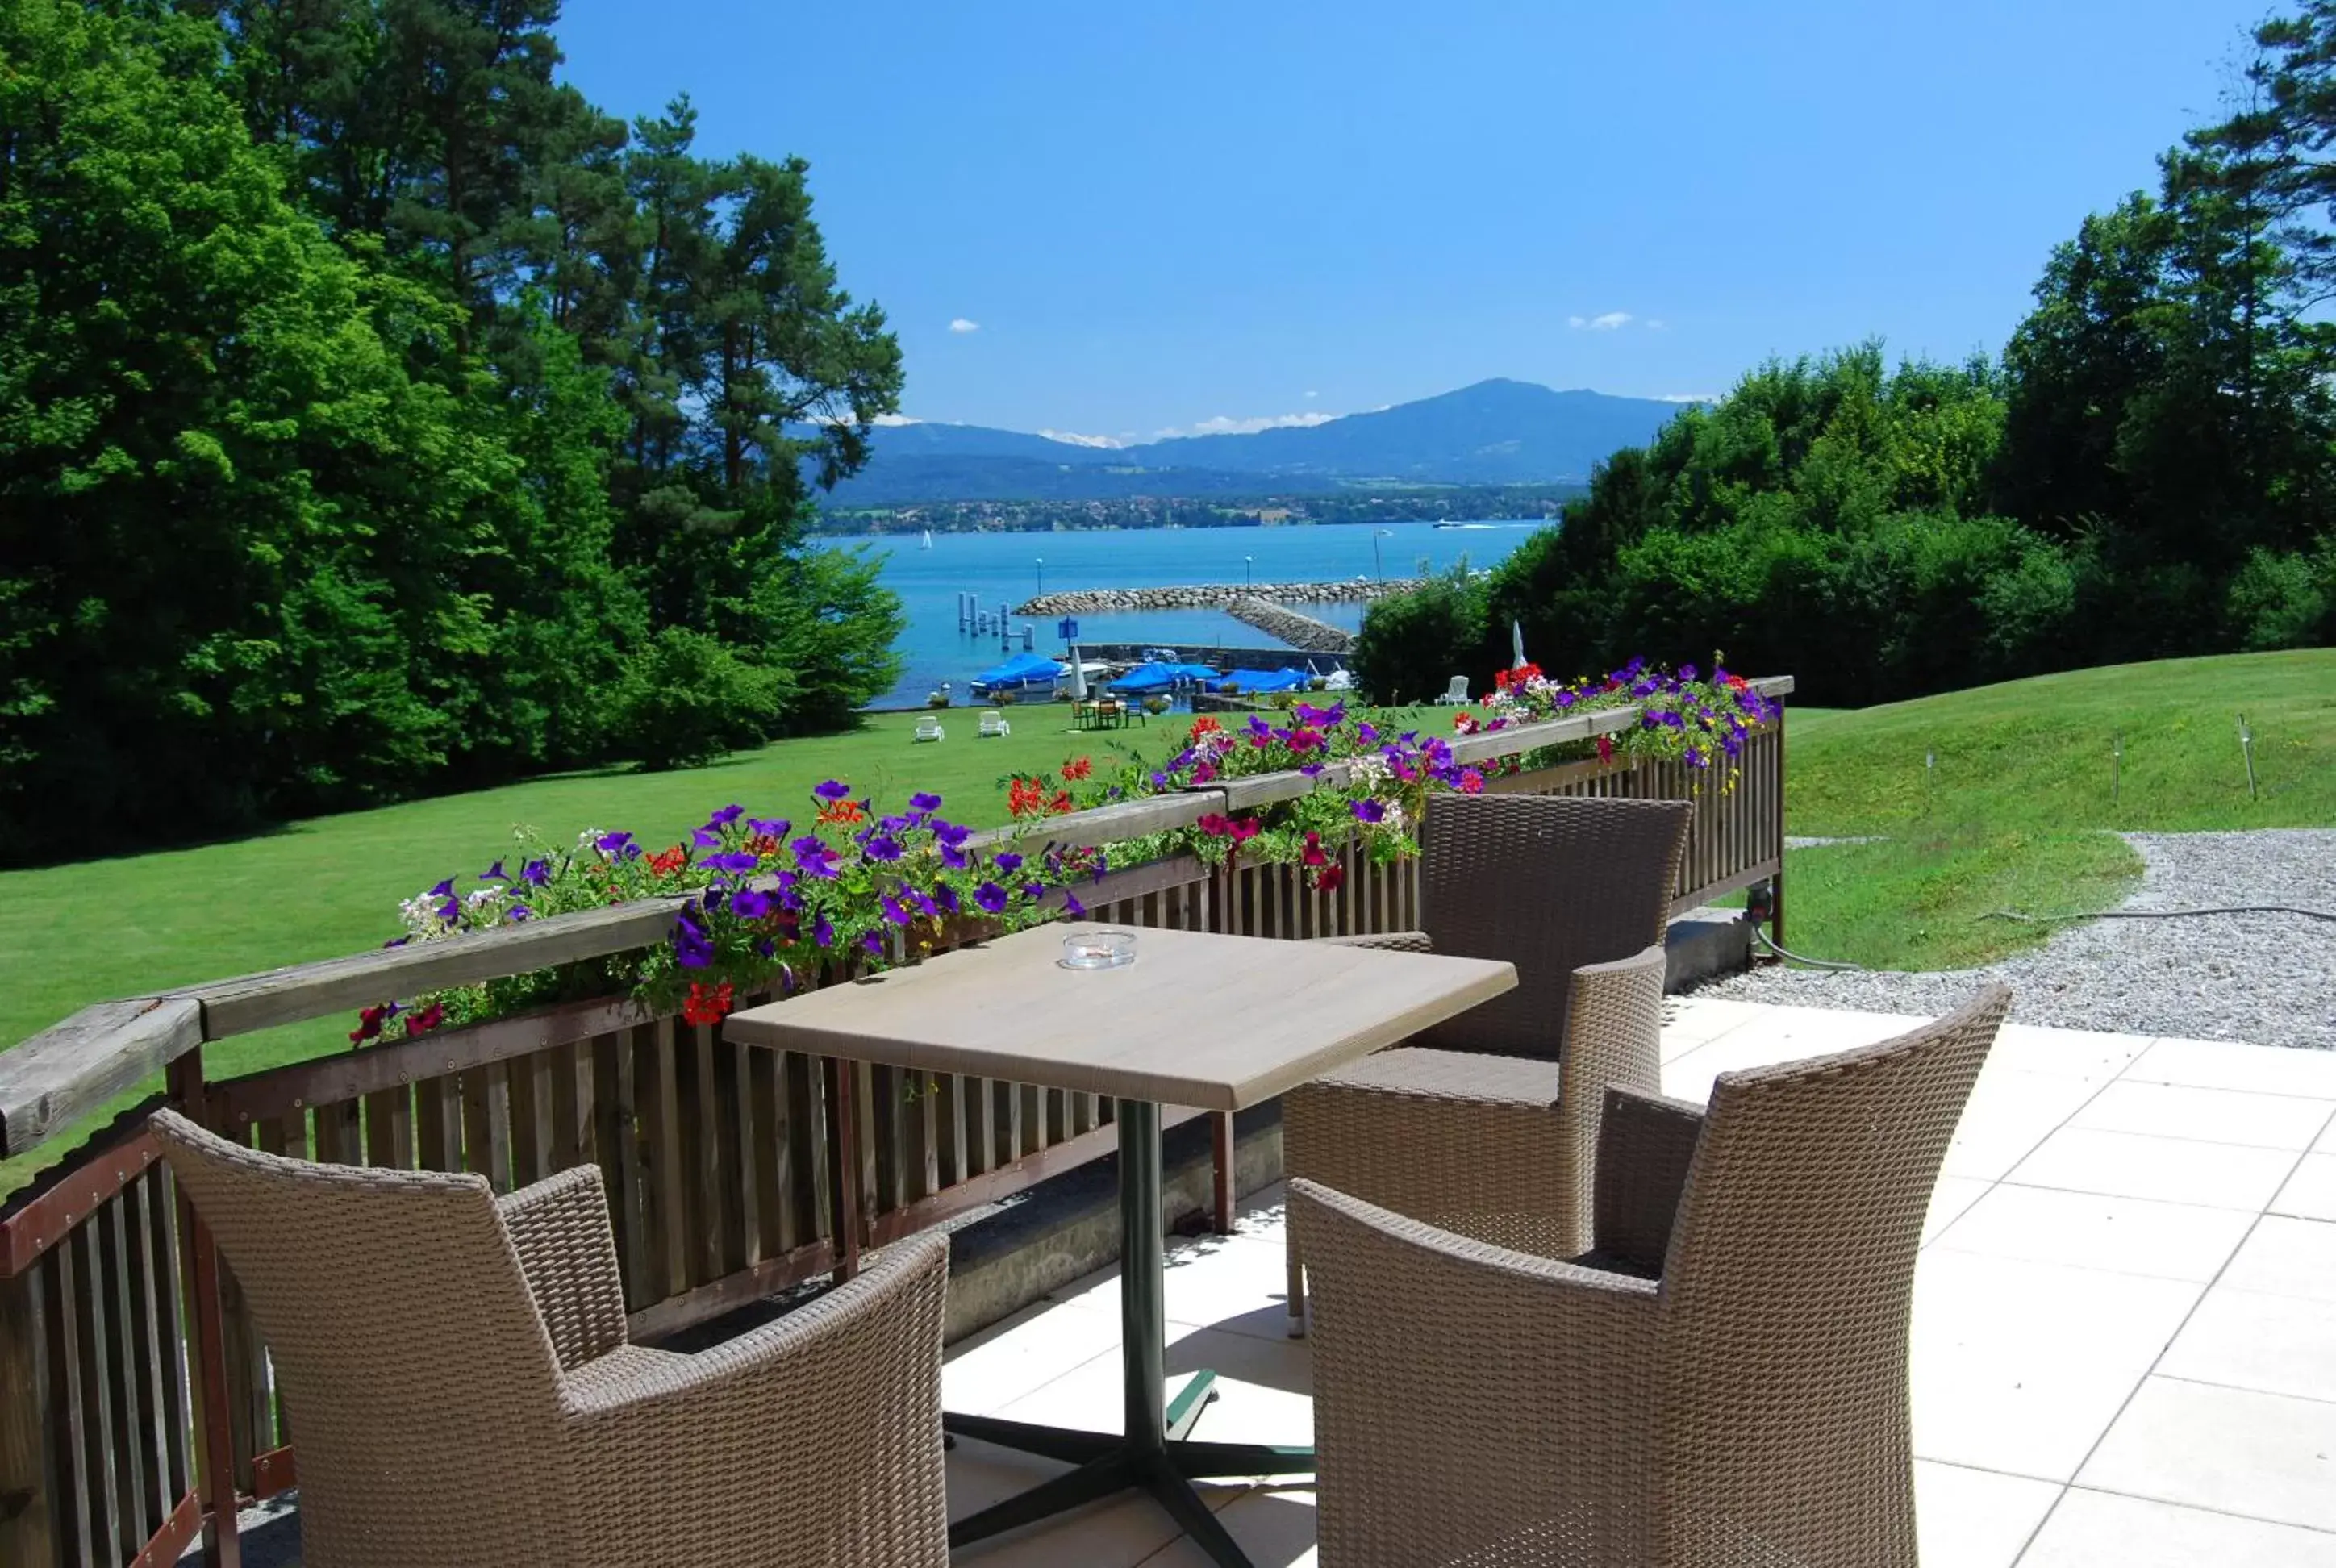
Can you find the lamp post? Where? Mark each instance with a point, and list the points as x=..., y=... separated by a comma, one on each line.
x=1247, y=578
x=1376, y=565
x=1042, y=576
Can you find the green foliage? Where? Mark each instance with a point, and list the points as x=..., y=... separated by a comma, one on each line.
x=1412, y=644
x=686, y=699
x=372, y=408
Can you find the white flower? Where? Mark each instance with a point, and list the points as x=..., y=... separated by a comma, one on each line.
x=483, y=896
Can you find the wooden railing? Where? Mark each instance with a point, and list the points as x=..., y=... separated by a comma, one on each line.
x=128, y=1359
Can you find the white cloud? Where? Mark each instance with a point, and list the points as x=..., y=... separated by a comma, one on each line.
x=1689, y=397
x=1311, y=396
x=1224, y=425
x=1073, y=438
x=960, y=324
x=895, y=419
x=1613, y=320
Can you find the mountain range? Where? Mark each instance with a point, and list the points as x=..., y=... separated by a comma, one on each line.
x=1493, y=433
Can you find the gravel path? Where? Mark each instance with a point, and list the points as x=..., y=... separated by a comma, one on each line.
x=2267, y=980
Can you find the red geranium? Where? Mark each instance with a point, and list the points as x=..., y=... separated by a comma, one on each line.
x=706, y=1004
x=1078, y=768
x=667, y=862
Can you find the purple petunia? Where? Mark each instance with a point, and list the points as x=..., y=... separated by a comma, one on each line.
x=770, y=827
x=951, y=834
x=945, y=898
x=894, y=909
x=704, y=838
x=725, y=816
x=494, y=874
x=1009, y=862
x=874, y=942
x=734, y=860
x=613, y=844
x=692, y=948
x=750, y=905
x=990, y=897
x=536, y=872
x=956, y=859
x=1369, y=811
x=922, y=803
x=814, y=855
x=1072, y=907
x=822, y=932
x=445, y=889
x=831, y=790
x=881, y=848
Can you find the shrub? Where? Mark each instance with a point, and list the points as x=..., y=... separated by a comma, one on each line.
x=686, y=699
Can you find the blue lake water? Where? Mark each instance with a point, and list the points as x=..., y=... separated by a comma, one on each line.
x=1007, y=568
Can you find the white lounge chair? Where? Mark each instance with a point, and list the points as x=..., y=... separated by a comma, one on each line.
x=1456, y=693
x=928, y=727
x=993, y=723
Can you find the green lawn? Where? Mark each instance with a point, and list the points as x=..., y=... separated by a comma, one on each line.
x=73, y=934
x=2010, y=818
x=2018, y=810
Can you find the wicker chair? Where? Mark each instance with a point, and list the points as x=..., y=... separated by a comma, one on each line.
x=1722, y=1382
x=1487, y=1125
x=455, y=1368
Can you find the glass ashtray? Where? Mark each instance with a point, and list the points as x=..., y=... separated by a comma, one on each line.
x=1098, y=950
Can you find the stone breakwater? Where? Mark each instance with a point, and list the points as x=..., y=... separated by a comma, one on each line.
x=1209, y=596
x=1302, y=632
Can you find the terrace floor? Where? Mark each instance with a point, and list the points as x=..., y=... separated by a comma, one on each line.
x=2125, y=1336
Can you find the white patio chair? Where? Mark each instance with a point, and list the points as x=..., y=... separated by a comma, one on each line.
x=1456, y=693
x=993, y=723
x=928, y=727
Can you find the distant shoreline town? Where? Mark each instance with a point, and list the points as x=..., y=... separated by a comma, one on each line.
x=1441, y=504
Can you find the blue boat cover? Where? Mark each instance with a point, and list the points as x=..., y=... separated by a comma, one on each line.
x=1254, y=680
x=1145, y=678
x=1022, y=669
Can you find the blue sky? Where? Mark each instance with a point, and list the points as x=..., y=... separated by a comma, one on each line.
x=1125, y=220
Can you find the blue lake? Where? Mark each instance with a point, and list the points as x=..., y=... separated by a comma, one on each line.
x=1009, y=568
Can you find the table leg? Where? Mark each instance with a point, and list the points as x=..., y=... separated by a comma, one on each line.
x=1151, y=1452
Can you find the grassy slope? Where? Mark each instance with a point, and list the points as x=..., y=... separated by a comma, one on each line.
x=74, y=934
x=2014, y=814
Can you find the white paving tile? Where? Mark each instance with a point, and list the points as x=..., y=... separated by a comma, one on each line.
x=986, y=1372
x=2209, y=1115
x=1966, y=1518
x=2233, y=1450
x=1790, y=1035
x=2099, y=1530
x=2018, y=1367
x=1692, y=1021
x=2170, y=1170
x=1238, y=1283
x=2090, y=1231
x=2008, y=1116
x=1265, y=1388
x=2310, y=1192
x=1274, y=1524
x=1948, y=1201
x=2287, y=1257
x=2247, y=1339
x=2068, y=1053
x=1117, y=1531
x=2327, y=1141
x=2219, y=1064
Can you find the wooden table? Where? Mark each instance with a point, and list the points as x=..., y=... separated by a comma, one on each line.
x=1216, y=1022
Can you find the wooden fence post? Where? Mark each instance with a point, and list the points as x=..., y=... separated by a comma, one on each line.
x=28, y=1479
x=214, y=1423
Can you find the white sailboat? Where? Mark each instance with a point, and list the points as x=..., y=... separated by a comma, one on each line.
x=929, y=540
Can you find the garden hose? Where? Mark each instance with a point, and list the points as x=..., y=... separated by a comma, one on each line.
x=1796, y=958
x=2162, y=914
